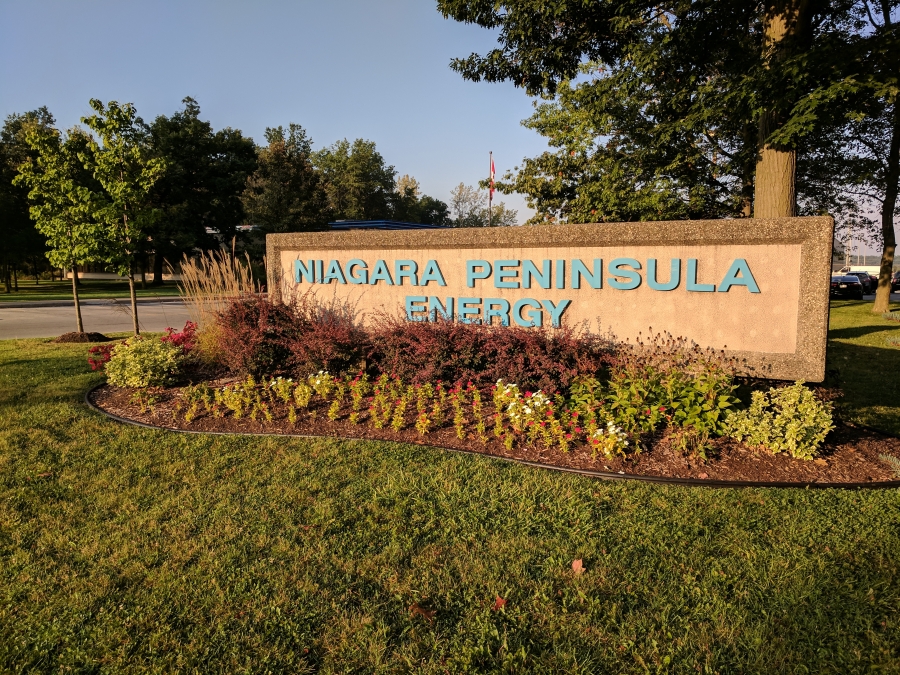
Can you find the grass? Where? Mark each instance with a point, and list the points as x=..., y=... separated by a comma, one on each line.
x=863, y=363
x=89, y=289
x=131, y=550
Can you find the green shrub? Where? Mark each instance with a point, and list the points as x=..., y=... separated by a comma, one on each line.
x=142, y=362
x=789, y=420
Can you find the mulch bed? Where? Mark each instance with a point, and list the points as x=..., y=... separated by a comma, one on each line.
x=75, y=337
x=850, y=454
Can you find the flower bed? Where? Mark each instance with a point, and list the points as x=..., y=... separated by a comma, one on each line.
x=659, y=407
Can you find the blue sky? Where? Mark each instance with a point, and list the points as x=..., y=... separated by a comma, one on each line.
x=340, y=68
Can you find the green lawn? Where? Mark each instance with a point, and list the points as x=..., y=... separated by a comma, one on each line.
x=130, y=550
x=864, y=365
x=62, y=290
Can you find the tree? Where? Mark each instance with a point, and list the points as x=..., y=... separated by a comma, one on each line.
x=126, y=170
x=285, y=193
x=63, y=195
x=206, y=173
x=618, y=158
x=357, y=182
x=410, y=206
x=737, y=65
x=21, y=241
x=471, y=208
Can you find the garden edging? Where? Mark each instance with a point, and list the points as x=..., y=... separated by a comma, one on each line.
x=604, y=475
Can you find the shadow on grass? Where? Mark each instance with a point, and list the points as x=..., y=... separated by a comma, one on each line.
x=858, y=331
x=869, y=378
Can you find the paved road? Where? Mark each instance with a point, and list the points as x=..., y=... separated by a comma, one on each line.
x=101, y=316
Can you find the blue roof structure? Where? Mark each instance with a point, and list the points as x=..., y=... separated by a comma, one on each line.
x=381, y=225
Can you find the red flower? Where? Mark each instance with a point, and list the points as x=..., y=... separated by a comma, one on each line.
x=577, y=430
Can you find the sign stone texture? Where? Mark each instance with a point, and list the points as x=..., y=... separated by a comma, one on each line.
x=757, y=289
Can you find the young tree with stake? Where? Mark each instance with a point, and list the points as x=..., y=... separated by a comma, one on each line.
x=63, y=195
x=123, y=165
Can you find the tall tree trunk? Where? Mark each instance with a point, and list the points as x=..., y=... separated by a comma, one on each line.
x=6, y=278
x=16, y=277
x=134, y=312
x=77, y=300
x=787, y=26
x=158, y=263
x=883, y=294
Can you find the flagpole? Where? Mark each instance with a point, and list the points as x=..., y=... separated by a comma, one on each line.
x=491, y=192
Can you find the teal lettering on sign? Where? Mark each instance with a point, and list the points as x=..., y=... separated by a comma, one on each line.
x=469, y=307
x=623, y=274
x=303, y=271
x=534, y=315
x=617, y=269
x=530, y=271
x=431, y=273
x=381, y=273
x=334, y=272
x=477, y=269
x=741, y=267
x=435, y=307
x=692, y=284
x=506, y=269
x=580, y=271
x=411, y=302
x=406, y=269
x=496, y=307
x=674, y=276
x=363, y=276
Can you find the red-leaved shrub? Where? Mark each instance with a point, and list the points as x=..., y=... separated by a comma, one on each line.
x=98, y=355
x=456, y=352
x=252, y=336
x=186, y=339
x=262, y=338
x=325, y=336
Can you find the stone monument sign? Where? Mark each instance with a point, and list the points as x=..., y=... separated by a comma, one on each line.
x=758, y=289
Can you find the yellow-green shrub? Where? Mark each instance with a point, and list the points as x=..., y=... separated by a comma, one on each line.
x=143, y=362
x=789, y=420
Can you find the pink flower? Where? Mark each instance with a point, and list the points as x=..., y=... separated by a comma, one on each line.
x=577, y=430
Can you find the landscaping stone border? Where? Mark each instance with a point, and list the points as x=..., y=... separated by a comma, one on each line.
x=604, y=475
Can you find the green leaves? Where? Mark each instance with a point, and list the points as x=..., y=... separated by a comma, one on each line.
x=122, y=164
x=789, y=420
x=64, y=196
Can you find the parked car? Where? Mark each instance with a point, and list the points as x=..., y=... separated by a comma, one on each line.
x=869, y=283
x=846, y=286
x=895, y=282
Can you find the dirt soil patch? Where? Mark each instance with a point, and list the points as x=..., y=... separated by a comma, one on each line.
x=850, y=454
x=82, y=337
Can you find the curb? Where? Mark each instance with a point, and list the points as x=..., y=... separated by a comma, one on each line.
x=27, y=304
x=603, y=475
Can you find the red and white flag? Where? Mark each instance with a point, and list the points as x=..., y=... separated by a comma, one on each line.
x=492, y=175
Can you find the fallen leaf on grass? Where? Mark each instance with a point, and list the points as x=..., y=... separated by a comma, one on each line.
x=428, y=614
x=577, y=566
x=45, y=475
x=498, y=603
